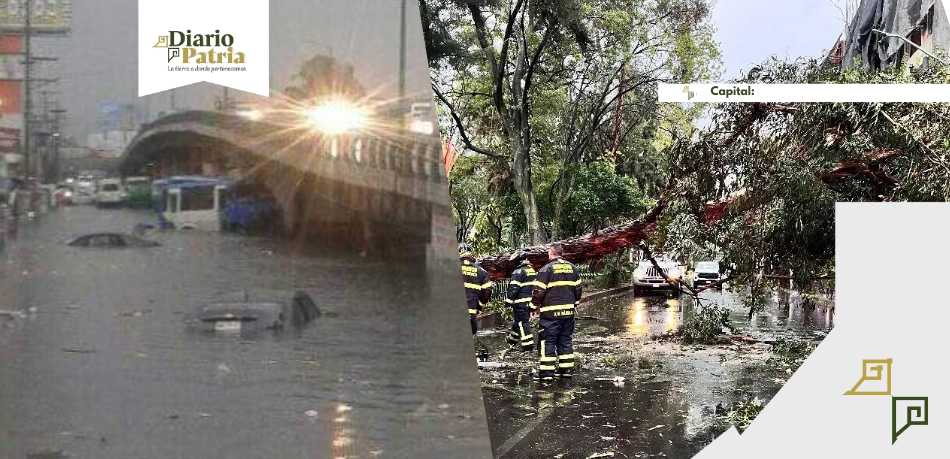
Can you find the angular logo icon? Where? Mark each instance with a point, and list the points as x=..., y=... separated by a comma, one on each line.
x=689, y=94
x=877, y=375
x=917, y=414
x=182, y=42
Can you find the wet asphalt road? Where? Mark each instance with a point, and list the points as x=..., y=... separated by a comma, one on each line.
x=664, y=411
x=104, y=367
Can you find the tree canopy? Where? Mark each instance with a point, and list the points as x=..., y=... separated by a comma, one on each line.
x=541, y=91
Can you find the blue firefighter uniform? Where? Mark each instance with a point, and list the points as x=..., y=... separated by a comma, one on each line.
x=518, y=299
x=555, y=297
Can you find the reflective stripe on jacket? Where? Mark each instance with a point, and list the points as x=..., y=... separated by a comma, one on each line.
x=478, y=286
x=557, y=290
x=521, y=286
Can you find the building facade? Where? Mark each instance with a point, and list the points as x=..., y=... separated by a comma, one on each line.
x=891, y=33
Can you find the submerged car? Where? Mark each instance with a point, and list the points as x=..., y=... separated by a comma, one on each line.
x=110, y=240
x=707, y=272
x=647, y=278
x=258, y=312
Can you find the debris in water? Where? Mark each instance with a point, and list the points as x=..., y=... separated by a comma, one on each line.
x=133, y=313
x=223, y=368
x=12, y=314
x=604, y=454
x=656, y=427
x=312, y=413
x=78, y=351
x=48, y=454
x=482, y=364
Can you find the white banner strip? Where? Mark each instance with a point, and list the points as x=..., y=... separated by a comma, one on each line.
x=730, y=92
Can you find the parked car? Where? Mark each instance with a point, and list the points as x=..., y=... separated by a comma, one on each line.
x=63, y=196
x=707, y=272
x=256, y=312
x=139, y=191
x=646, y=278
x=110, y=240
x=110, y=193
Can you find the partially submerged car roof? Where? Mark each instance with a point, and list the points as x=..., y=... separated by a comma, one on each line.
x=127, y=239
x=258, y=296
x=243, y=311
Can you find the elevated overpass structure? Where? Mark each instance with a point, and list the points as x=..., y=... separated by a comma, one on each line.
x=370, y=192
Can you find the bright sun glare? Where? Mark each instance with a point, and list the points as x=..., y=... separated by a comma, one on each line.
x=336, y=117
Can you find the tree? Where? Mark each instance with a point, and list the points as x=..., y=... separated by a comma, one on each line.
x=558, y=83
x=600, y=197
x=322, y=76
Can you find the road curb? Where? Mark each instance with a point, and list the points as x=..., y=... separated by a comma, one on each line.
x=493, y=320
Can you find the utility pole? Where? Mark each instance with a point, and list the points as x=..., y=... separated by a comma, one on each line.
x=56, y=138
x=27, y=81
x=402, y=57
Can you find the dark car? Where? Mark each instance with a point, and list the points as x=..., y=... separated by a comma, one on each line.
x=110, y=240
x=272, y=311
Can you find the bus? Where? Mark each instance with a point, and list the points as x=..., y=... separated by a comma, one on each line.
x=191, y=202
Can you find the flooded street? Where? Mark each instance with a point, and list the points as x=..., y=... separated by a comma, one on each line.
x=634, y=396
x=100, y=364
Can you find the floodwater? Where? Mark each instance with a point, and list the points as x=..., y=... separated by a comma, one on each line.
x=787, y=313
x=661, y=403
x=102, y=365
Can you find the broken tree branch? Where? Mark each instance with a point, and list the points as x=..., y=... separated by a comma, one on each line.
x=461, y=127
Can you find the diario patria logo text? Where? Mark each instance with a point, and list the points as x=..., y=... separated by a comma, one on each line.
x=188, y=48
x=214, y=41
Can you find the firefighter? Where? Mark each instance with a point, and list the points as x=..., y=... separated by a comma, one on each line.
x=478, y=287
x=557, y=292
x=518, y=299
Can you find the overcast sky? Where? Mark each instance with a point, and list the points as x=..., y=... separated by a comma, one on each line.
x=749, y=31
x=98, y=60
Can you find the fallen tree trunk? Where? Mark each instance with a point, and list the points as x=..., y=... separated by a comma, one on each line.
x=580, y=249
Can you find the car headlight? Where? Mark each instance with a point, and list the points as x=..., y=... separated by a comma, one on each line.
x=638, y=274
x=673, y=274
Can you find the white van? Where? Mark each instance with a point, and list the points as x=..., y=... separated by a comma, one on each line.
x=110, y=193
